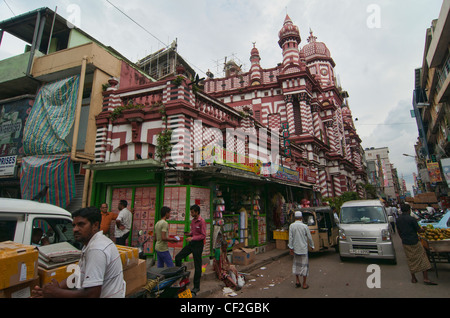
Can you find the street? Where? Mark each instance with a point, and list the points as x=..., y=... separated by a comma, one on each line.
x=330, y=277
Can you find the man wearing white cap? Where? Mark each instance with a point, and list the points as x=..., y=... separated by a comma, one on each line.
x=299, y=237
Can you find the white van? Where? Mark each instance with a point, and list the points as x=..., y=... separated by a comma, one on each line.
x=365, y=231
x=19, y=219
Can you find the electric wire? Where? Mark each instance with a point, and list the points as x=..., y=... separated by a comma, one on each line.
x=9, y=7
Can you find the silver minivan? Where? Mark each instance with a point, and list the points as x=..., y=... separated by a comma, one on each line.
x=365, y=231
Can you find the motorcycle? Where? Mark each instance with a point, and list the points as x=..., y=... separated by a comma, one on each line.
x=166, y=282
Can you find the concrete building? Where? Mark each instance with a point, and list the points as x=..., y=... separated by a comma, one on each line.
x=57, y=54
x=380, y=171
x=432, y=107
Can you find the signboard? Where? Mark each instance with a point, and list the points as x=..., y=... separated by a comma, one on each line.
x=7, y=166
x=13, y=116
x=434, y=171
x=445, y=163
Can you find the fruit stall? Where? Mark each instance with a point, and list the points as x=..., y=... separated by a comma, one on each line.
x=437, y=245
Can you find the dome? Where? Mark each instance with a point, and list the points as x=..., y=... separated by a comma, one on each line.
x=254, y=51
x=289, y=30
x=314, y=48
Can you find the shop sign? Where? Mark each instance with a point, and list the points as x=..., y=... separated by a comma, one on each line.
x=445, y=163
x=434, y=171
x=281, y=173
x=220, y=156
x=306, y=174
x=8, y=165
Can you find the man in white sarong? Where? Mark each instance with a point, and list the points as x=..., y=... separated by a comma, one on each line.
x=299, y=237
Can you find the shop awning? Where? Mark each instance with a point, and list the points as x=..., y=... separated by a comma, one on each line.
x=224, y=172
x=132, y=164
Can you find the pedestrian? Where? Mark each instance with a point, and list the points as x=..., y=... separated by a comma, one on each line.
x=100, y=267
x=415, y=253
x=162, y=239
x=390, y=212
x=196, y=238
x=107, y=218
x=123, y=223
x=299, y=238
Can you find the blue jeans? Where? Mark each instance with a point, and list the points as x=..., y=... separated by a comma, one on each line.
x=164, y=258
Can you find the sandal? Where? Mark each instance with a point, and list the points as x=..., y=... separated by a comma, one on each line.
x=430, y=283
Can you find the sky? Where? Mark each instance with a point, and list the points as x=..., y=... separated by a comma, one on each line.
x=376, y=45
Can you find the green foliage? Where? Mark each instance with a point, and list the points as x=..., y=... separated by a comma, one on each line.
x=338, y=201
x=117, y=112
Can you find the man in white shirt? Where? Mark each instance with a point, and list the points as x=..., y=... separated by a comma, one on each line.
x=123, y=223
x=299, y=238
x=100, y=272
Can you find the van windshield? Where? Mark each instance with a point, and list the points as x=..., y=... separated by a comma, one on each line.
x=362, y=214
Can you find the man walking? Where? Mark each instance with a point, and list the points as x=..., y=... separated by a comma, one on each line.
x=123, y=223
x=196, y=240
x=299, y=238
x=415, y=253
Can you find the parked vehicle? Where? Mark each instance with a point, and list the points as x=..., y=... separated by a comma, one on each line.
x=20, y=218
x=442, y=221
x=365, y=231
x=323, y=227
x=166, y=282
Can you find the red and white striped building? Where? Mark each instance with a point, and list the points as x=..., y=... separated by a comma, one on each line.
x=301, y=92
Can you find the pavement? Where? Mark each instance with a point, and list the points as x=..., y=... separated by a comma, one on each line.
x=210, y=284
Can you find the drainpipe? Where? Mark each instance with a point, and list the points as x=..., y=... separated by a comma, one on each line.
x=73, y=154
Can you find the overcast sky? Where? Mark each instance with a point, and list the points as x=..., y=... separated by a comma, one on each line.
x=376, y=45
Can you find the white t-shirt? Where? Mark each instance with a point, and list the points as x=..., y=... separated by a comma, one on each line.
x=126, y=217
x=100, y=265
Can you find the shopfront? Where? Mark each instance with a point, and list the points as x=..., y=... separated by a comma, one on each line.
x=140, y=183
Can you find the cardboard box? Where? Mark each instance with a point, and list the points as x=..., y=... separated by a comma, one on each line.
x=281, y=244
x=128, y=255
x=18, y=264
x=20, y=291
x=135, y=277
x=242, y=255
x=47, y=275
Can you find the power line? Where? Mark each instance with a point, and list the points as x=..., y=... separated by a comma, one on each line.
x=118, y=9
x=134, y=21
x=9, y=7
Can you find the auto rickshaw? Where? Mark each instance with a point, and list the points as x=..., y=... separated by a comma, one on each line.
x=323, y=227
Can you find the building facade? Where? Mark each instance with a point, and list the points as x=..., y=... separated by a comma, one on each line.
x=49, y=97
x=382, y=175
x=300, y=93
x=432, y=108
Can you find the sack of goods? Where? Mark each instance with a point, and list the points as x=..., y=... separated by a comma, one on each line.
x=56, y=255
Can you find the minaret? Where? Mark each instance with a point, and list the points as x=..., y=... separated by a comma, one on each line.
x=255, y=69
x=289, y=41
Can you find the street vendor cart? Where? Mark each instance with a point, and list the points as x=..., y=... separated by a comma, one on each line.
x=437, y=251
